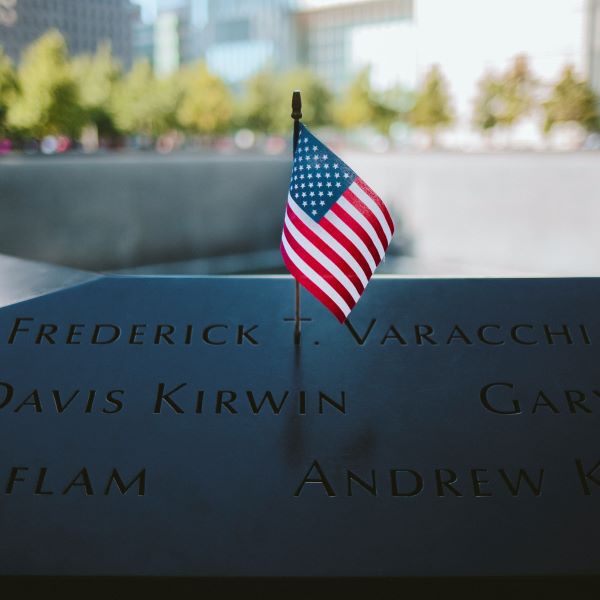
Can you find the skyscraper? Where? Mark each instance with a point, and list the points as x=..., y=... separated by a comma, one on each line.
x=84, y=24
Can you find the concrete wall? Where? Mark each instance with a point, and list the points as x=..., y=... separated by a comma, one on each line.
x=115, y=211
x=528, y=213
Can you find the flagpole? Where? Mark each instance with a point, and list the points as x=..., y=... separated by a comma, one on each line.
x=296, y=115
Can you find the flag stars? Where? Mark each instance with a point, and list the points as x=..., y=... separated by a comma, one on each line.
x=336, y=175
x=326, y=166
x=337, y=184
x=346, y=175
x=335, y=166
x=302, y=167
x=304, y=194
x=319, y=184
x=314, y=148
x=316, y=157
x=310, y=184
x=305, y=140
x=325, y=157
x=326, y=175
x=317, y=166
x=320, y=193
x=318, y=175
x=302, y=185
x=330, y=194
x=308, y=167
x=312, y=194
x=314, y=212
x=305, y=203
x=322, y=203
x=327, y=183
x=309, y=175
x=296, y=195
x=313, y=203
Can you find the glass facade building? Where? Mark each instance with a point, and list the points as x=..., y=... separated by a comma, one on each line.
x=84, y=23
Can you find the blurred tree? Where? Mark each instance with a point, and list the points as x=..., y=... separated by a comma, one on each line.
x=96, y=76
x=257, y=109
x=206, y=105
x=432, y=110
x=8, y=90
x=572, y=100
x=504, y=99
x=488, y=103
x=48, y=101
x=142, y=104
x=316, y=100
x=361, y=106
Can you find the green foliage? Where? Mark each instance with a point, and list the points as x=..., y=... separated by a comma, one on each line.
x=504, y=99
x=48, y=101
x=572, y=100
x=432, y=110
x=361, y=106
x=96, y=76
x=141, y=103
x=316, y=107
x=266, y=103
x=256, y=107
x=206, y=105
x=8, y=90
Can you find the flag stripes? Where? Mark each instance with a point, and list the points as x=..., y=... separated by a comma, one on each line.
x=335, y=256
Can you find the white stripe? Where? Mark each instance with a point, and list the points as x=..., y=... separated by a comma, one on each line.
x=360, y=245
x=315, y=278
x=363, y=222
x=373, y=207
x=321, y=258
x=330, y=241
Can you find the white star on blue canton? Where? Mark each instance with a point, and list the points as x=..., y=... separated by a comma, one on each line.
x=322, y=203
x=336, y=175
x=314, y=147
x=330, y=193
x=335, y=165
x=318, y=175
x=337, y=184
x=346, y=175
x=326, y=166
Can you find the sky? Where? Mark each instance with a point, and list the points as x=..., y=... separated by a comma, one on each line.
x=148, y=9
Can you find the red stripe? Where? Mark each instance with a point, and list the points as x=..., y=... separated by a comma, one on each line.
x=312, y=287
x=358, y=230
x=334, y=232
x=366, y=212
x=331, y=254
x=367, y=190
x=315, y=265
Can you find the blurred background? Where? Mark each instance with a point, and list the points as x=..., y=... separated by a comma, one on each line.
x=154, y=136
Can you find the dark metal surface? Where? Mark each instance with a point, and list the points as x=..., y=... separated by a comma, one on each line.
x=219, y=496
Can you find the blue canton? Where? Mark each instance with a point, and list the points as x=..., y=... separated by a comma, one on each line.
x=319, y=177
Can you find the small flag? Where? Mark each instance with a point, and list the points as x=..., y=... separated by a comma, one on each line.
x=336, y=229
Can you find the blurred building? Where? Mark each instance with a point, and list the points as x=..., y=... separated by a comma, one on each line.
x=338, y=38
x=593, y=43
x=240, y=38
x=84, y=23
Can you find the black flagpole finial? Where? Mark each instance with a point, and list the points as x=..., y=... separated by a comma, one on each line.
x=296, y=105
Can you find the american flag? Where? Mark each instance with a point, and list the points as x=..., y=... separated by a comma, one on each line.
x=336, y=228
